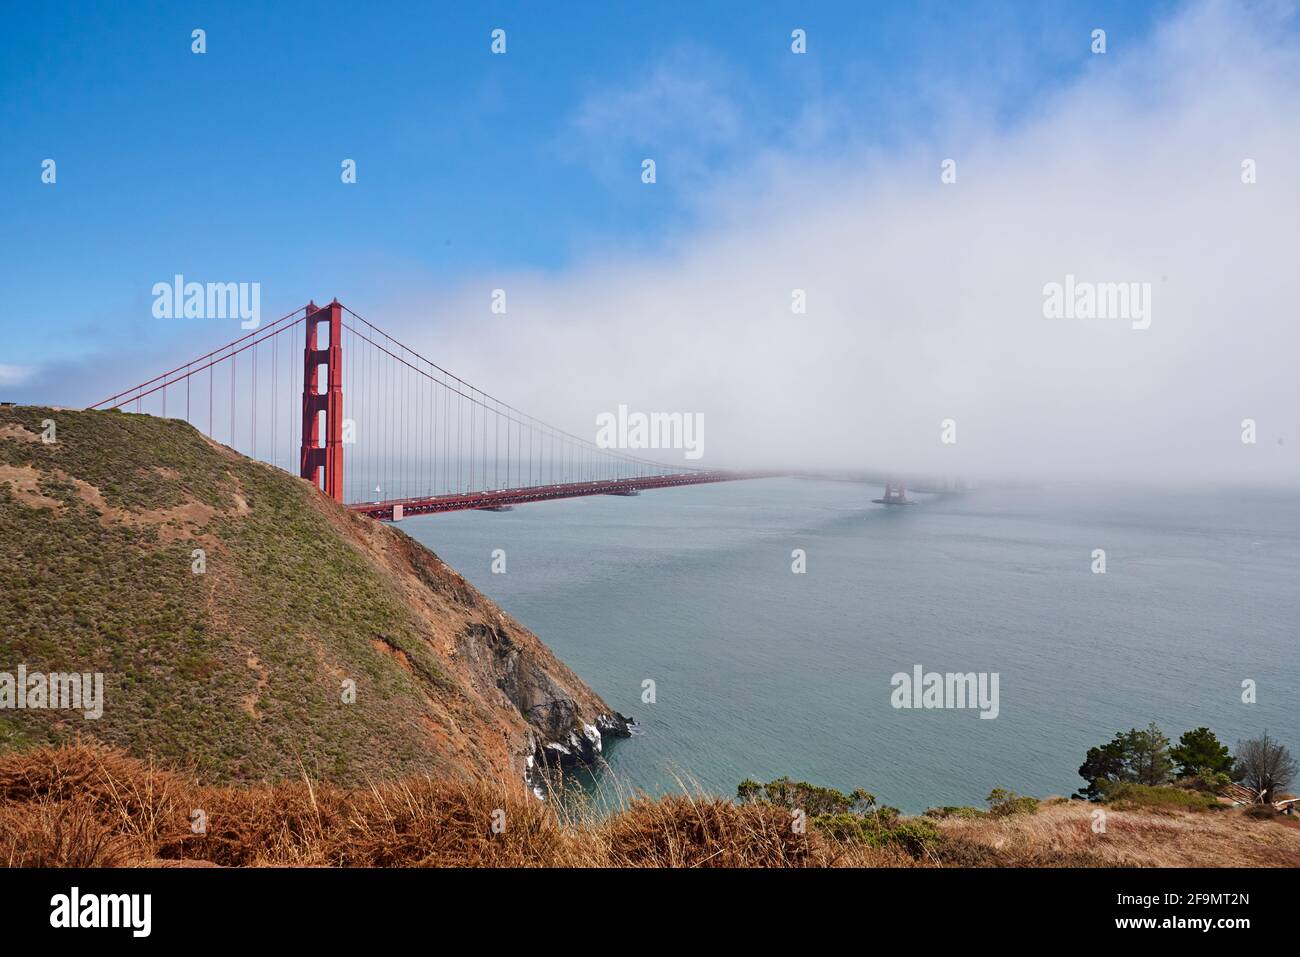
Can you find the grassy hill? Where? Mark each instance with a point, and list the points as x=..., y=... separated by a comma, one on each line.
x=239, y=671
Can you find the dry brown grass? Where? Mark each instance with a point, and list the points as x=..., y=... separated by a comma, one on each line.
x=1062, y=834
x=687, y=831
x=47, y=833
x=87, y=806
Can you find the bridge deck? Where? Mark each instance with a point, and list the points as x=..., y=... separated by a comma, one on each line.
x=540, y=493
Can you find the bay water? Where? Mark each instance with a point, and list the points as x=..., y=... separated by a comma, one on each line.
x=759, y=671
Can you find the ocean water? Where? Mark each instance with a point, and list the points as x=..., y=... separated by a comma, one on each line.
x=761, y=672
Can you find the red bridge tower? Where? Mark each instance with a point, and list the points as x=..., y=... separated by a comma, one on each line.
x=315, y=456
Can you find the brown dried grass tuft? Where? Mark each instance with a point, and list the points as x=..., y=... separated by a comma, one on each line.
x=50, y=833
x=685, y=831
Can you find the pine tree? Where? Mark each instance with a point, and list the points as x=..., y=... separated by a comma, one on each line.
x=1148, y=756
x=1101, y=765
x=1200, y=754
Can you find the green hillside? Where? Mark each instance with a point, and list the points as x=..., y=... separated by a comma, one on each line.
x=240, y=670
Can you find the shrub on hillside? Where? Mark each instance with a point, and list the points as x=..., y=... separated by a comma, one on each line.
x=1211, y=782
x=1130, y=796
x=812, y=799
x=1003, y=803
x=849, y=818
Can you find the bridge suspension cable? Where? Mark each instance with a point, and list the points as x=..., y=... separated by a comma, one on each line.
x=407, y=431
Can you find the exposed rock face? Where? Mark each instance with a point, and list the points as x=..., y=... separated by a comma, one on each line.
x=568, y=721
x=238, y=670
x=582, y=747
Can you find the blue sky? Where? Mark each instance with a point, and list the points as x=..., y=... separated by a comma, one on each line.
x=225, y=166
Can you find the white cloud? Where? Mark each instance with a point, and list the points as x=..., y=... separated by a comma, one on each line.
x=677, y=112
x=925, y=300
x=12, y=375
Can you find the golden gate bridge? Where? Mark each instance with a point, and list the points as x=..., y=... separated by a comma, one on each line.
x=375, y=425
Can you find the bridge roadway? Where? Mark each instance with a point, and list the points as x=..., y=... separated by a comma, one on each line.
x=501, y=498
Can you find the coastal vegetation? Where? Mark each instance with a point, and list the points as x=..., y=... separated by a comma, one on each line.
x=90, y=806
x=1141, y=768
